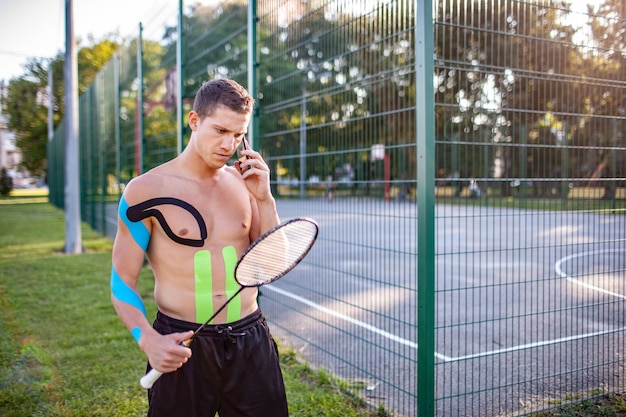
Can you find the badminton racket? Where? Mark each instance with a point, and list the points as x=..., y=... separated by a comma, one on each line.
x=267, y=259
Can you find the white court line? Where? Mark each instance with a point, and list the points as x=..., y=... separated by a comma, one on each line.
x=557, y=268
x=531, y=345
x=445, y=358
x=344, y=317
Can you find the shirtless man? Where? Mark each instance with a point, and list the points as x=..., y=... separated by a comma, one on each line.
x=192, y=217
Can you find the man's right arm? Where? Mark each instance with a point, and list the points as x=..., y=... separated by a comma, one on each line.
x=131, y=242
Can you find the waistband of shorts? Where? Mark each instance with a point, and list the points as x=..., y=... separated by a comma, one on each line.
x=182, y=325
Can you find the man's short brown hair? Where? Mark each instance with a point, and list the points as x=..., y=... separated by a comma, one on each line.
x=222, y=92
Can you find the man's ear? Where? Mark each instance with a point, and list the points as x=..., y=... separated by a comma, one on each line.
x=193, y=119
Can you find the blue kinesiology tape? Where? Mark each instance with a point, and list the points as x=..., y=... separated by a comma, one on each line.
x=138, y=230
x=120, y=290
x=136, y=332
x=124, y=293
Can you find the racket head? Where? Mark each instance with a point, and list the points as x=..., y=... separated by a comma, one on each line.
x=276, y=252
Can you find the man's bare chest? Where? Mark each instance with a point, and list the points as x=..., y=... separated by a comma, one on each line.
x=180, y=222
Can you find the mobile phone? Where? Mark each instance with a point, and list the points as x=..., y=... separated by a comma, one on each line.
x=242, y=158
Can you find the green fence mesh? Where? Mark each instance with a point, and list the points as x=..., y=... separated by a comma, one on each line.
x=515, y=271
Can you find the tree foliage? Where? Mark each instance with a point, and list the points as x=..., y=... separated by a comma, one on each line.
x=28, y=99
x=509, y=74
x=519, y=75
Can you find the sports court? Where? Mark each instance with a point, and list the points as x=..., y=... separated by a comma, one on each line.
x=510, y=313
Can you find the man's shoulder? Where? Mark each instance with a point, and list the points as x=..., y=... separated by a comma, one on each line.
x=232, y=171
x=146, y=185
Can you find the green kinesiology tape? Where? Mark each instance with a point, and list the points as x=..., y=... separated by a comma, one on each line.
x=229, y=255
x=203, y=271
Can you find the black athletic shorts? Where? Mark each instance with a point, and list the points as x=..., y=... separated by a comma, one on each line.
x=234, y=370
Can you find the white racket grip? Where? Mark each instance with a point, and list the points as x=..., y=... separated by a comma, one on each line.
x=150, y=378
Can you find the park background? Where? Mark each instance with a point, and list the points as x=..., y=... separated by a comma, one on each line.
x=465, y=160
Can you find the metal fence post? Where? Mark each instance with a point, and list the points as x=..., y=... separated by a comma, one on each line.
x=118, y=132
x=253, y=62
x=139, y=132
x=180, y=113
x=425, y=141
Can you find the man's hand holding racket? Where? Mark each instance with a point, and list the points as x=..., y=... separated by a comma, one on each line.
x=166, y=352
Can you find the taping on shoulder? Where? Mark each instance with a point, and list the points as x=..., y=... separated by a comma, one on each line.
x=120, y=290
x=137, y=229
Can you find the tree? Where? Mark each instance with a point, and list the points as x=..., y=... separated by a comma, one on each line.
x=307, y=64
x=28, y=99
x=26, y=107
x=549, y=104
x=602, y=128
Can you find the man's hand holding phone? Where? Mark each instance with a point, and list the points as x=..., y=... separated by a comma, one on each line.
x=240, y=157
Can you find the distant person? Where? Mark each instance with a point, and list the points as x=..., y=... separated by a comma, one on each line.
x=474, y=189
x=193, y=217
x=329, y=188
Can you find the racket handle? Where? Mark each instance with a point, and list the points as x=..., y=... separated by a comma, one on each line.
x=150, y=378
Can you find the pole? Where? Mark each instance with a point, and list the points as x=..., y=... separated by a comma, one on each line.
x=425, y=134
x=73, y=237
x=387, y=174
x=2, y=162
x=179, y=80
x=253, y=87
x=139, y=150
x=303, y=140
x=50, y=103
x=118, y=131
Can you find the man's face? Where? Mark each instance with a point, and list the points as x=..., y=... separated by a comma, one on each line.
x=216, y=137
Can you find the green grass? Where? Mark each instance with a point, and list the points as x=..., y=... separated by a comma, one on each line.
x=25, y=194
x=64, y=352
x=613, y=405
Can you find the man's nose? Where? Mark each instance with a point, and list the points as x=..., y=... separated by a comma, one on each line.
x=229, y=142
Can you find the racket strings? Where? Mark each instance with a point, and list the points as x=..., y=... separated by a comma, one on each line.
x=276, y=253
